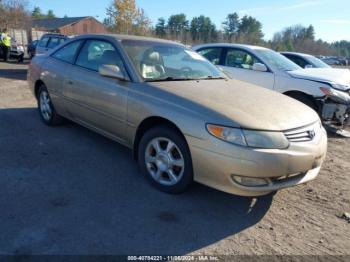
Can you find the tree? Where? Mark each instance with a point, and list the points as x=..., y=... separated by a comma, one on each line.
x=231, y=26
x=310, y=32
x=160, y=29
x=178, y=26
x=250, y=30
x=50, y=14
x=127, y=17
x=14, y=14
x=202, y=29
x=142, y=23
x=36, y=13
x=301, y=39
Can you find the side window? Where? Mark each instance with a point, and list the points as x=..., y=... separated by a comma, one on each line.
x=43, y=41
x=212, y=54
x=67, y=53
x=240, y=59
x=54, y=41
x=96, y=53
x=298, y=60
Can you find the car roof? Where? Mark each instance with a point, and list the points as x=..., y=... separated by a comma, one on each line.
x=295, y=53
x=248, y=47
x=129, y=37
x=54, y=35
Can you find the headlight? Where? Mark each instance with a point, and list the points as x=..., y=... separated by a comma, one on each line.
x=341, y=96
x=250, y=138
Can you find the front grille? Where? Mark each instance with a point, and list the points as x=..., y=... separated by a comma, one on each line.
x=304, y=134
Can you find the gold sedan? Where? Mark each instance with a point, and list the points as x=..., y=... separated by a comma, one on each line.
x=183, y=119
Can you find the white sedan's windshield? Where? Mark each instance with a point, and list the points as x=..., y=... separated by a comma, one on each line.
x=277, y=60
x=318, y=63
x=157, y=61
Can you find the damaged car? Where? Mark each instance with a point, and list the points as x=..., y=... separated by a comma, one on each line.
x=326, y=90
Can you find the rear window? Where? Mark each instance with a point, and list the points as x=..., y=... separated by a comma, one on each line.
x=55, y=41
x=68, y=52
x=43, y=41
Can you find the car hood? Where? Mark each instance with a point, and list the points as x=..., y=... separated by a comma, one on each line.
x=240, y=104
x=329, y=75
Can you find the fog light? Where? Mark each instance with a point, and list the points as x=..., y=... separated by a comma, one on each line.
x=250, y=181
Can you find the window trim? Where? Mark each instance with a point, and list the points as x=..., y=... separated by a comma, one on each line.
x=250, y=53
x=127, y=79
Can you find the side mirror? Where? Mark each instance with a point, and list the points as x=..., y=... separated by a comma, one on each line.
x=259, y=67
x=308, y=66
x=111, y=71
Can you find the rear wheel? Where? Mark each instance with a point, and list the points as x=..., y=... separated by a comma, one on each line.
x=47, y=111
x=165, y=160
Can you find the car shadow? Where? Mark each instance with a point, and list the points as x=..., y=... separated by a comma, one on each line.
x=15, y=74
x=67, y=190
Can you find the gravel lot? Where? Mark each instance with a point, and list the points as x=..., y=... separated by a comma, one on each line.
x=67, y=190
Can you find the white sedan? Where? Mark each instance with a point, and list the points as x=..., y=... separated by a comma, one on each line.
x=326, y=90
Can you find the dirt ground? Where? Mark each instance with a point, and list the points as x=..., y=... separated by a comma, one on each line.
x=67, y=190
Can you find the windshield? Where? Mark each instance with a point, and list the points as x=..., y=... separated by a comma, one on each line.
x=317, y=62
x=157, y=61
x=277, y=60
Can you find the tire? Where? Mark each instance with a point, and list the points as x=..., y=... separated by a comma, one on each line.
x=167, y=170
x=305, y=100
x=46, y=109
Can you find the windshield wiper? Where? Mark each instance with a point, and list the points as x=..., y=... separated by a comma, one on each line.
x=212, y=78
x=171, y=79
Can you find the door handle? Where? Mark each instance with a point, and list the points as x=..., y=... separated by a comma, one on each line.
x=70, y=82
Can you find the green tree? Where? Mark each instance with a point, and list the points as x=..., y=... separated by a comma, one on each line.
x=250, y=30
x=231, y=26
x=310, y=32
x=161, y=28
x=50, y=14
x=178, y=25
x=36, y=13
x=202, y=29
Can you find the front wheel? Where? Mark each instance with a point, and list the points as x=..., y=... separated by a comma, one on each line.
x=47, y=111
x=165, y=160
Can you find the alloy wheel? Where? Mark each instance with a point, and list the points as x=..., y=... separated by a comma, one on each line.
x=164, y=161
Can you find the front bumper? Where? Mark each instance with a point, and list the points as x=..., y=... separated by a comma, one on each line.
x=215, y=162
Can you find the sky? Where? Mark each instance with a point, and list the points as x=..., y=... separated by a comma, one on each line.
x=331, y=18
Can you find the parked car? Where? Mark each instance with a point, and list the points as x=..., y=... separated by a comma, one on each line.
x=305, y=60
x=16, y=51
x=331, y=61
x=48, y=42
x=31, y=48
x=183, y=119
x=326, y=90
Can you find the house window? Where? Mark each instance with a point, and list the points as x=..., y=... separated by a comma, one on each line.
x=85, y=28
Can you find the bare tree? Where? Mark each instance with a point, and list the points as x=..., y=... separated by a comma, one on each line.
x=14, y=14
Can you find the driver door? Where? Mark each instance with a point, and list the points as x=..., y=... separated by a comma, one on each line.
x=238, y=64
x=96, y=101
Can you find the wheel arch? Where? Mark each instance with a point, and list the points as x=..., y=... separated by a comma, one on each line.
x=149, y=123
x=295, y=93
x=37, y=85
